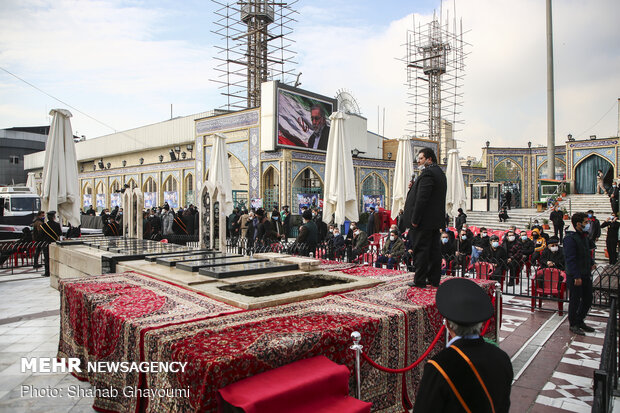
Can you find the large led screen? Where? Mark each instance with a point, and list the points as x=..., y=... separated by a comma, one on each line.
x=303, y=119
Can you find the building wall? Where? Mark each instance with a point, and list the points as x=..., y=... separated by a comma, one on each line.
x=17, y=144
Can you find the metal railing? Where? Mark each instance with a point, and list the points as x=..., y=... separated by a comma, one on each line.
x=606, y=377
x=21, y=254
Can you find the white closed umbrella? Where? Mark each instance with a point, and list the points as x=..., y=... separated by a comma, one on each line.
x=455, y=195
x=60, y=191
x=219, y=182
x=30, y=182
x=340, y=197
x=403, y=170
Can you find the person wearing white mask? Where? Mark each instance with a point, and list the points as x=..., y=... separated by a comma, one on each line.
x=514, y=254
x=392, y=251
x=553, y=255
x=496, y=255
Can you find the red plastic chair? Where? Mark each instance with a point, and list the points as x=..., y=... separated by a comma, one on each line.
x=546, y=283
x=484, y=270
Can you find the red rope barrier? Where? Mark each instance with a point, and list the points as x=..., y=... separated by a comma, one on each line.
x=488, y=323
x=415, y=364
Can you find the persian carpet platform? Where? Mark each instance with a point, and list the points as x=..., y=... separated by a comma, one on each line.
x=131, y=317
x=104, y=318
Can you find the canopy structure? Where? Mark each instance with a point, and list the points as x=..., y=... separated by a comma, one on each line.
x=403, y=170
x=455, y=196
x=340, y=196
x=60, y=190
x=219, y=184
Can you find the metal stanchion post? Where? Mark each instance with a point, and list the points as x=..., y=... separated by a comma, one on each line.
x=445, y=323
x=357, y=347
x=498, y=310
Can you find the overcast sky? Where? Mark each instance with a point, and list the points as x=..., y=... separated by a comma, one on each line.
x=124, y=62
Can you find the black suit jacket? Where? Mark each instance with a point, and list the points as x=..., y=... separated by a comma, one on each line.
x=493, y=365
x=322, y=139
x=426, y=201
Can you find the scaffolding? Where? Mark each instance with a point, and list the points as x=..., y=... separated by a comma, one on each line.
x=435, y=62
x=256, y=47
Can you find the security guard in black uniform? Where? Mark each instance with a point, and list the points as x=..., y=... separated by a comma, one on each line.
x=50, y=232
x=469, y=375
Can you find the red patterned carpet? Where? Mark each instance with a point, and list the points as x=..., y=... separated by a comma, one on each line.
x=130, y=317
x=103, y=319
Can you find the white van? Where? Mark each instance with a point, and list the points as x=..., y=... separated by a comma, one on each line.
x=18, y=200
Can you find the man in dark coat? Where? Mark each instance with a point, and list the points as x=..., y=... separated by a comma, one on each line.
x=612, y=237
x=469, y=374
x=425, y=210
x=51, y=232
x=557, y=217
x=370, y=228
x=579, y=265
x=308, y=236
x=320, y=136
x=614, y=197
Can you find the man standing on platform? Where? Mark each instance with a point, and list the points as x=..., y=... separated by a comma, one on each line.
x=424, y=214
x=579, y=266
x=469, y=374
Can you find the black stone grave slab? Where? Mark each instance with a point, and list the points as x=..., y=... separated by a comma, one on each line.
x=239, y=270
x=194, y=266
x=154, y=258
x=171, y=261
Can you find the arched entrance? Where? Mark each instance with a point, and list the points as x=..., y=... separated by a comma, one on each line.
x=373, y=193
x=585, y=173
x=271, y=193
x=307, y=190
x=510, y=175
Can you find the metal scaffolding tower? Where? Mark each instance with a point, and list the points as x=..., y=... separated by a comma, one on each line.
x=257, y=48
x=435, y=69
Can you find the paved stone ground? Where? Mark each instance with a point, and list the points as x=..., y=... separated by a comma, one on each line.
x=558, y=378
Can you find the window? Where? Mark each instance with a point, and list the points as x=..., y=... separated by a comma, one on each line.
x=14, y=159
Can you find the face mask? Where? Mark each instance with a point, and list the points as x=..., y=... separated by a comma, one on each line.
x=535, y=222
x=331, y=230
x=356, y=233
x=495, y=244
x=336, y=234
x=511, y=238
x=484, y=234
x=463, y=237
x=444, y=240
x=524, y=237
x=554, y=249
x=535, y=236
x=587, y=227
x=589, y=215
x=275, y=218
x=392, y=237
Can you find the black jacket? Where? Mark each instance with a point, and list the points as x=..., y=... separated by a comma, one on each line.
x=51, y=231
x=612, y=231
x=555, y=257
x=557, y=217
x=577, y=255
x=426, y=201
x=492, y=364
